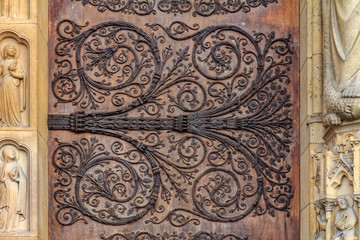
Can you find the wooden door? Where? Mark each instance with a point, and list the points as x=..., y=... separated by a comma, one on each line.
x=174, y=119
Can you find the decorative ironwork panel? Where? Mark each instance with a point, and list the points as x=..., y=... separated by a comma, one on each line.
x=172, y=236
x=198, y=7
x=176, y=126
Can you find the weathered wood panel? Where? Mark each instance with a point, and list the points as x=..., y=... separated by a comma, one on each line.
x=174, y=119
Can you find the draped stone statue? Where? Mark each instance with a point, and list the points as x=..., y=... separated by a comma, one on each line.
x=13, y=191
x=321, y=221
x=342, y=80
x=12, y=88
x=345, y=20
x=345, y=219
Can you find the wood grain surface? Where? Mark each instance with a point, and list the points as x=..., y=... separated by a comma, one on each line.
x=174, y=120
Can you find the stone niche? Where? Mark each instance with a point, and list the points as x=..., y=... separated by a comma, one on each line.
x=14, y=188
x=14, y=81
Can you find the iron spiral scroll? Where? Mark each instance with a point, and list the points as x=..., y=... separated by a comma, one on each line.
x=171, y=236
x=208, y=125
x=204, y=8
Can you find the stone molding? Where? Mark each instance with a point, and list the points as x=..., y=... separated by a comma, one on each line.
x=23, y=130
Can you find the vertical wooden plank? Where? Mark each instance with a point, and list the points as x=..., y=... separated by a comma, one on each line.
x=174, y=120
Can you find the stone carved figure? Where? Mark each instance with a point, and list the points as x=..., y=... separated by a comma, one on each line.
x=342, y=82
x=13, y=191
x=12, y=88
x=345, y=219
x=321, y=222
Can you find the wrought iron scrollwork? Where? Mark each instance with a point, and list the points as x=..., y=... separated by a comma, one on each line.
x=173, y=236
x=123, y=180
x=219, y=146
x=215, y=7
x=170, y=6
x=138, y=7
x=201, y=7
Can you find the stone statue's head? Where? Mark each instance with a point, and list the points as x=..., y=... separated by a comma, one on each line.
x=318, y=207
x=9, y=154
x=342, y=202
x=9, y=50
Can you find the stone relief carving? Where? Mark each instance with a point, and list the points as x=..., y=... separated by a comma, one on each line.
x=14, y=102
x=341, y=166
x=333, y=163
x=345, y=219
x=319, y=158
x=342, y=65
x=12, y=96
x=15, y=9
x=338, y=226
x=321, y=222
x=14, y=193
x=336, y=177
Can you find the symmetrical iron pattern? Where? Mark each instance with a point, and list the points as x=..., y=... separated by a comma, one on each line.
x=200, y=7
x=173, y=236
x=208, y=126
x=138, y=7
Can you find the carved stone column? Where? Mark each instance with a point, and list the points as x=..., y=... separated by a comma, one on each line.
x=356, y=152
x=329, y=205
x=313, y=153
x=23, y=109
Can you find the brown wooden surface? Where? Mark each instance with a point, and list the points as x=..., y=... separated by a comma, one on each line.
x=281, y=18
